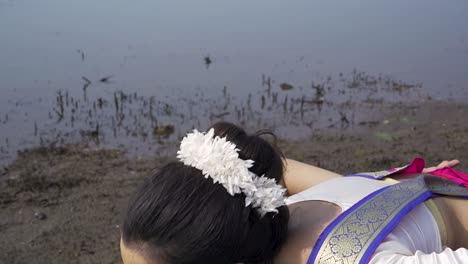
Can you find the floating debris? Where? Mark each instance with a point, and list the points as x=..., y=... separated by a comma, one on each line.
x=208, y=61
x=106, y=79
x=316, y=101
x=401, y=86
x=369, y=123
x=164, y=130
x=286, y=86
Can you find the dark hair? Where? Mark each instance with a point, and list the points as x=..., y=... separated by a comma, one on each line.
x=179, y=216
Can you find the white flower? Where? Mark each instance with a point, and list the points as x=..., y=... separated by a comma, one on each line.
x=218, y=159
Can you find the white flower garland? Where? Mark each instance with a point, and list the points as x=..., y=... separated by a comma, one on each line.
x=218, y=159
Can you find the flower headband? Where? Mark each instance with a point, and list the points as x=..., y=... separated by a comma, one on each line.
x=218, y=159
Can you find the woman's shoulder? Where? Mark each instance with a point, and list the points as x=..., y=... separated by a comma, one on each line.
x=344, y=191
x=307, y=221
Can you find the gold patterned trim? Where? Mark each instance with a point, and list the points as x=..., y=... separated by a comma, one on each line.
x=347, y=242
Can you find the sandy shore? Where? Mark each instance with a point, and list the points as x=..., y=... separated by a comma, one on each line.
x=64, y=204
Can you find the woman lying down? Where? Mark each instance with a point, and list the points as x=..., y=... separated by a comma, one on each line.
x=232, y=198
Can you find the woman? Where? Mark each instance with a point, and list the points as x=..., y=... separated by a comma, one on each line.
x=214, y=207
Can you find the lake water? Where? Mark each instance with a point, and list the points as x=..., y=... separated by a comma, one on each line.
x=333, y=53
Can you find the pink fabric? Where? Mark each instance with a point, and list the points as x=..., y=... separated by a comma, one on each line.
x=451, y=174
x=418, y=165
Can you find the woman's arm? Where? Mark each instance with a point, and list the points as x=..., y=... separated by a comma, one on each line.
x=299, y=176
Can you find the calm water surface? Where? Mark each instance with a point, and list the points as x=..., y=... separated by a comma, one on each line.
x=154, y=52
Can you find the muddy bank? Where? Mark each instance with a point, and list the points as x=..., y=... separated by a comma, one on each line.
x=63, y=204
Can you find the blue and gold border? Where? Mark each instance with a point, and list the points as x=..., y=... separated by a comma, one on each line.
x=355, y=234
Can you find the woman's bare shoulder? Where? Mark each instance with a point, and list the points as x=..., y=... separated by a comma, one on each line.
x=307, y=221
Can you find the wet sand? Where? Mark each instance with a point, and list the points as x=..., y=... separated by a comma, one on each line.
x=64, y=204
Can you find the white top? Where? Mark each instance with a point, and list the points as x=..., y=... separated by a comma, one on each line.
x=416, y=239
